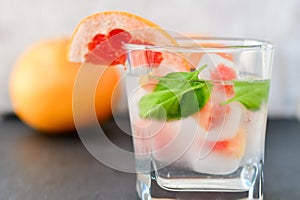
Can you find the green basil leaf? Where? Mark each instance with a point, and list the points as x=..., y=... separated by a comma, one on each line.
x=177, y=80
x=177, y=95
x=251, y=94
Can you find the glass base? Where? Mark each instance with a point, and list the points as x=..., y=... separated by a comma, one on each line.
x=148, y=189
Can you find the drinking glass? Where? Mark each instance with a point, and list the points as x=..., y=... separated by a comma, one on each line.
x=198, y=112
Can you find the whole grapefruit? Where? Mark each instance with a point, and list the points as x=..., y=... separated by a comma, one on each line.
x=41, y=86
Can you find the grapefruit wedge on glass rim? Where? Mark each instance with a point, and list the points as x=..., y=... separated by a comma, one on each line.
x=99, y=38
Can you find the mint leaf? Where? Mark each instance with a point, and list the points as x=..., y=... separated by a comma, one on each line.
x=177, y=95
x=181, y=78
x=251, y=94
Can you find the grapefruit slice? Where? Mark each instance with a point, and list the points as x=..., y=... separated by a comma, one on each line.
x=98, y=38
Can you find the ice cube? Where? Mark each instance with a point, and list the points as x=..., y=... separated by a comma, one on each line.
x=229, y=125
x=214, y=163
x=173, y=140
x=212, y=60
x=221, y=157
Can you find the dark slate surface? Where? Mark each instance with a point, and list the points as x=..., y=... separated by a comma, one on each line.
x=35, y=167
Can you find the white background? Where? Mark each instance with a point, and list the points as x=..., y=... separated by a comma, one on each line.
x=23, y=22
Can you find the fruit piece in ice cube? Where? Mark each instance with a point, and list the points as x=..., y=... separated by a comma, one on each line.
x=218, y=158
x=212, y=115
x=220, y=122
x=215, y=118
x=233, y=147
x=224, y=73
x=213, y=60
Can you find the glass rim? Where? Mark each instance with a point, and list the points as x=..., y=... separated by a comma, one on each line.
x=206, y=45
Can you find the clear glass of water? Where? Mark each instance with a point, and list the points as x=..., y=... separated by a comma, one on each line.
x=198, y=114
